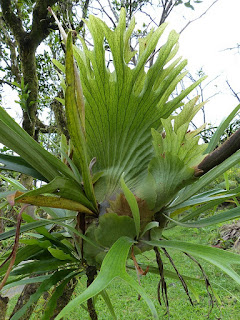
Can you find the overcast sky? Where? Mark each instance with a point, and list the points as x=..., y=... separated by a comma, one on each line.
x=203, y=43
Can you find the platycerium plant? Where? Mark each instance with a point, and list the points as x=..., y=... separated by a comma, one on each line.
x=130, y=169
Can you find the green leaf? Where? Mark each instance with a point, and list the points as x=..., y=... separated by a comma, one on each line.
x=13, y=182
x=188, y=5
x=114, y=265
x=44, y=222
x=123, y=103
x=203, y=181
x=75, y=123
x=108, y=302
x=41, y=243
x=66, y=188
x=13, y=136
x=214, y=196
x=112, y=227
x=132, y=204
x=40, y=230
x=60, y=254
x=149, y=226
x=23, y=254
x=220, y=130
x=59, y=65
x=15, y=283
x=38, y=267
x=18, y=164
x=213, y=220
x=176, y=153
x=32, y=225
x=52, y=303
x=220, y=258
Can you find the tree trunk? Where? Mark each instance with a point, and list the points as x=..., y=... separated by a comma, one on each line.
x=3, y=307
x=91, y=272
x=65, y=297
x=28, y=290
x=29, y=71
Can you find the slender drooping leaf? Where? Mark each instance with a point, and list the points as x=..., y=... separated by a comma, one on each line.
x=215, y=195
x=220, y=258
x=15, y=283
x=213, y=220
x=203, y=181
x=38, y=267
x=66, y=188
x=13, y=136
x=58, y=292
x=18, y=164
x=13, y=182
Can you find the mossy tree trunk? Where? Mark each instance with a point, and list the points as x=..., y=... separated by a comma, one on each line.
x=27, y=43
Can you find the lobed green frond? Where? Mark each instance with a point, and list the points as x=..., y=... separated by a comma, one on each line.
x=124, y=101
x=177, y=151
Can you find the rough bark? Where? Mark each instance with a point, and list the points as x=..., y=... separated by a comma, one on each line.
x=27, y=292
x=228, y=148
x=60, y=116
x=27, y=42
x=3, y=307
x=65, y=297
x=91, y=272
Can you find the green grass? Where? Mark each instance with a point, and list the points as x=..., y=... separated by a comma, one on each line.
x=125, y=300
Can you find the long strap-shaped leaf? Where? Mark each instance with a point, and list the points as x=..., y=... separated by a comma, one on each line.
x=13, y=136
x=75, y=121
x=221, y=259
x=213, y=220
x=63, y=187
x=18, y=164
x=189, y=191
x=114, y=265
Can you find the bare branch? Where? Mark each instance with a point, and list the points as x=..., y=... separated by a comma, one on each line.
x=191, y=21
x=236, y=95
x=109, y=17
x=113, y=11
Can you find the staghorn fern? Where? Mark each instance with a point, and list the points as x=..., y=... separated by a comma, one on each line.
x=134, y=168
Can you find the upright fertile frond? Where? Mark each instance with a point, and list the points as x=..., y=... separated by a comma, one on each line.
x=123, y=102
x=176, y=153
x=75, y=119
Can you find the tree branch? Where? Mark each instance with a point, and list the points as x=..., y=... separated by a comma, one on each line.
x=234, y=92
x=11, y=19
x=41, y=21
x=191, y=21
x=84, y=13
x=229, y=147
